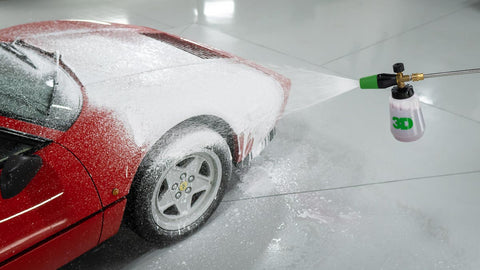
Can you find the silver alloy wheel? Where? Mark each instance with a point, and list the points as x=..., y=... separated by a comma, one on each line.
x=186, y=190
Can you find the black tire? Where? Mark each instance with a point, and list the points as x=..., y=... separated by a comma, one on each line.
x=193, y=158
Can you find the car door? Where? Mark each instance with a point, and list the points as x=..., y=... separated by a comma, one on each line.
x=38, y=104
x=59, y=196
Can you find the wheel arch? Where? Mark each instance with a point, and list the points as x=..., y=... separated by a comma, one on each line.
x=217, y=124
x=213, y=122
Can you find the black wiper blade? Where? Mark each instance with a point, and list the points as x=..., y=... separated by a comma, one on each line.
x=20, y=55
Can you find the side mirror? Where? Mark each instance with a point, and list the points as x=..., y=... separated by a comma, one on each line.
x=17, y=172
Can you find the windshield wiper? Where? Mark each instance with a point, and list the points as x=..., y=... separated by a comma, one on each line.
x=20, y=55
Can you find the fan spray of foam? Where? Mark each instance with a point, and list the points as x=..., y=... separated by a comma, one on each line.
x=310, y=88
x=277, y=170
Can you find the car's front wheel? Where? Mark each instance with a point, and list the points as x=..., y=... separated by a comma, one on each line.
x=179, y=184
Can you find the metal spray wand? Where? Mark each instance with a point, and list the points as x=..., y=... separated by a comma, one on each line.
x=385, y=80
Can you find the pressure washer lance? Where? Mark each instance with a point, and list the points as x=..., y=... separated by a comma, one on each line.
x=406, y=118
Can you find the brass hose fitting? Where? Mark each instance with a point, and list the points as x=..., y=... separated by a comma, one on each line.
x=402, y=79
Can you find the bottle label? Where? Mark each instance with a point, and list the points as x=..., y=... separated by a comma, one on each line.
x=403, y=123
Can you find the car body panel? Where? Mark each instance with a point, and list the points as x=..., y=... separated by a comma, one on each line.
x=106, y=150
x=30, y=128
x=112, y=219
x=60, y=195
x=59, y=250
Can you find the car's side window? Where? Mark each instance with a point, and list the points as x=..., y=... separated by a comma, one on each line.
x=35, y=89
x=9, y=147
x=17, y=143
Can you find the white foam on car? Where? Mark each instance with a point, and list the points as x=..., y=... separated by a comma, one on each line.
x=151, y=103
x=151, y=86
x=102, y=55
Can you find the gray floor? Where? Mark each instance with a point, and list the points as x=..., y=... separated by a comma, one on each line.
x=334, y=190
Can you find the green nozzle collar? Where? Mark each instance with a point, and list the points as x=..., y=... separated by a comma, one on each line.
x=369, y=82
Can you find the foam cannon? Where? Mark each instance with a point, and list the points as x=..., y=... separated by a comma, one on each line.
x=406, y=118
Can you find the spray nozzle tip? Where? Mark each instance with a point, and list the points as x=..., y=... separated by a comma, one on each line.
x=369, y=82
x=378, y=81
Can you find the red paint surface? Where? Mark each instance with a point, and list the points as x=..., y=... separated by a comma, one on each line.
x=112, y=219
x=60, y=195
x=106, y=150
x=60, y=250
x=25, y=127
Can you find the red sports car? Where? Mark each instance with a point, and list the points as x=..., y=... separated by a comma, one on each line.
x=101, y=122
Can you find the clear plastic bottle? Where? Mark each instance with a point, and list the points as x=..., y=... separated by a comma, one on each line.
x=406, y=118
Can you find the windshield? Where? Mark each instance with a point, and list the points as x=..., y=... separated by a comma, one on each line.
x=25, y=89
x=28, y=88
